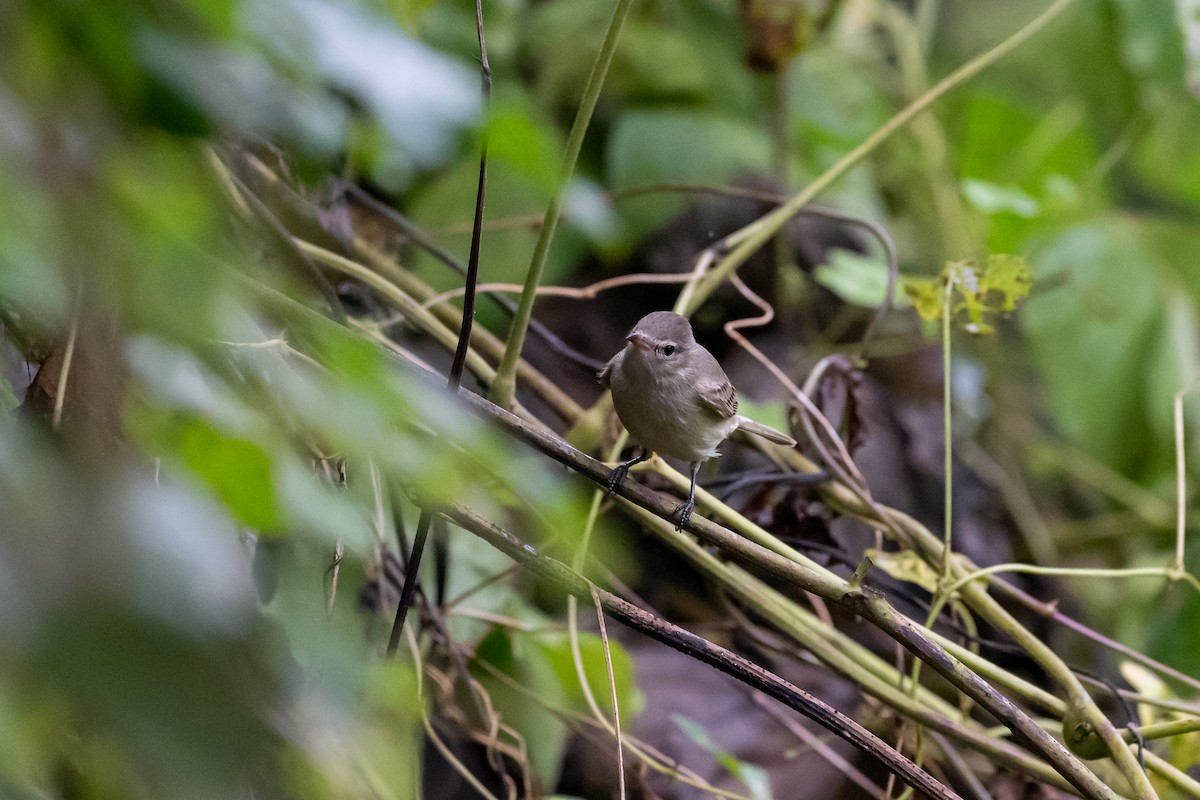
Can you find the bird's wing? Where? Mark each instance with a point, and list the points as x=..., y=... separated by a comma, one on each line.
x=720, y=396
x=605, y=375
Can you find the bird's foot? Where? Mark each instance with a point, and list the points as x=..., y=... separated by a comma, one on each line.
x=622, y=469
x=617, y=477
x=684, y=512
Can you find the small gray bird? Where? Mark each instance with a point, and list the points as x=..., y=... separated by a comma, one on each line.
x=674, y=398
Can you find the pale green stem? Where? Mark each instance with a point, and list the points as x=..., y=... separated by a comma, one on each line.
x=1031, y=569
x=997, y=676
x=1180, y=483
x=1180, y=479
x=577, y=562
x=505, y=386
x=947, y=429
x=1172, y=774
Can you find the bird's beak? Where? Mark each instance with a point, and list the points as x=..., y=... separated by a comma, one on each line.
x=638, y=341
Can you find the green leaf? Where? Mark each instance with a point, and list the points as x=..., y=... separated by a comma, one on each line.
x=992, y=198
x=1166, y=156
x=676, y=145
x=525, y=659
x=977, y=293
x=1150, y=41
x=830, y=70
x=753, y=776
x=237, y=470
x=531, y=147
x=1103, y=340
x=905, y=565
x=857, y=279
x=361, y=54
x=8, y=399
x=1171, y=621
x=655, y=59
x=926, y=296
x=1009, y=276
x=1188, y=18
x=591, y=650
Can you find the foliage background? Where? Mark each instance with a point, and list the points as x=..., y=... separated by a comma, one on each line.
x=148, y=654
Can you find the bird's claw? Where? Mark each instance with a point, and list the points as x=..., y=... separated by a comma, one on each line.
x=684, y=512
x=617, y=478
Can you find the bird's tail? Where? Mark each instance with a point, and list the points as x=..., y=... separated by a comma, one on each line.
x=770, y=434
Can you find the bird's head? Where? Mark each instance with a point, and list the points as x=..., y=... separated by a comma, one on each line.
x=661, y=336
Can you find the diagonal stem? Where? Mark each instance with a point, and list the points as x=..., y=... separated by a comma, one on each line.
x=505, y=386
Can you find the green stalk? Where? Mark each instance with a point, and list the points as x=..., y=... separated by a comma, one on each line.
x=948, y=436
x=505, y=386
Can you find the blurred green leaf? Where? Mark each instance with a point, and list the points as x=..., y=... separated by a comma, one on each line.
x=1173, y=633
x=239, y=471
x=644, y=149
x=362, y=54
x=526, y=661
x=561, y=40
x=1151, y=42
x=753, y=776
x=1166, y=156
x=1187, y=14
x=991, y=199
x=198, y=736
x=977, y=292
x=591, y=649
x=1106, y=357
x=527, y=145
x=830, y=70
x=857, y=279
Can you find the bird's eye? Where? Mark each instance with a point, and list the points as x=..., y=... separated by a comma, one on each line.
x=668, y=349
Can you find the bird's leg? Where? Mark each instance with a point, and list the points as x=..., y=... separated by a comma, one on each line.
x=618, y=474
x=685, y=510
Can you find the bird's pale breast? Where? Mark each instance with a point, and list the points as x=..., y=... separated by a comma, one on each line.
x=662, y=411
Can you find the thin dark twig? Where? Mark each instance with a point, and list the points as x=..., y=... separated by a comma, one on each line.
x=472, y=277
x=441, y=562
x=733, y=483
x=401, y=532
x=460, y=352
x=410, y=581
